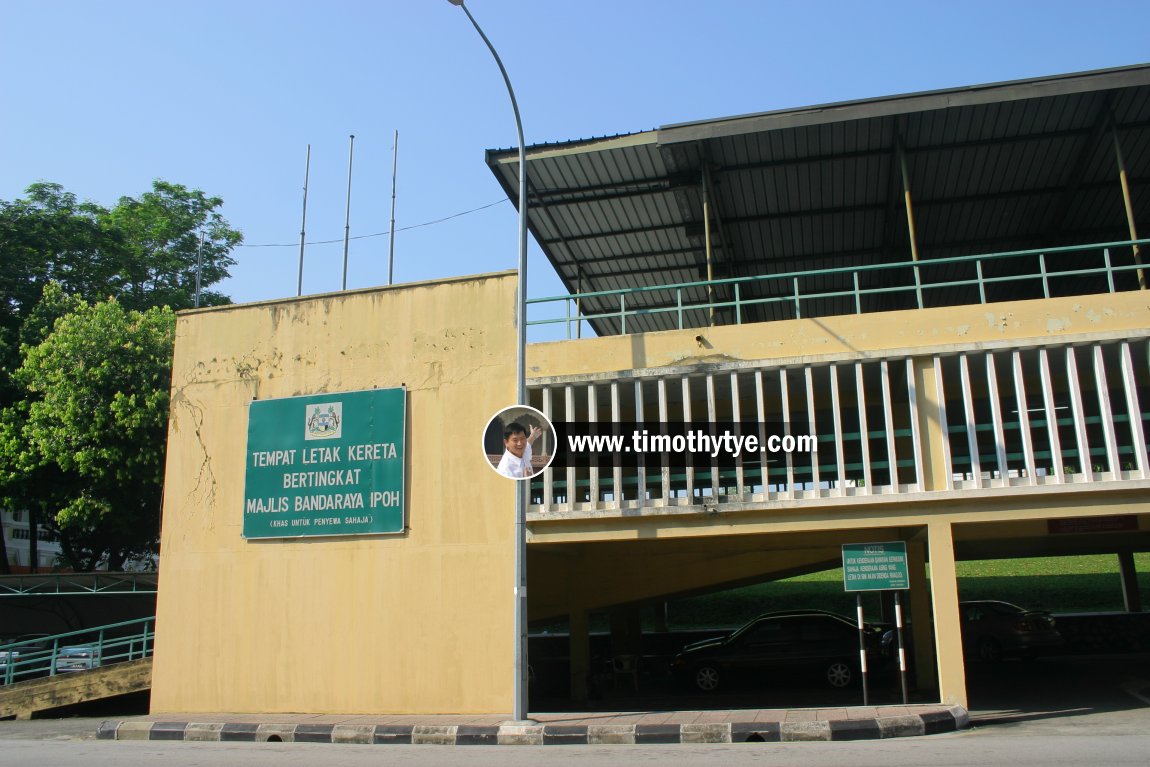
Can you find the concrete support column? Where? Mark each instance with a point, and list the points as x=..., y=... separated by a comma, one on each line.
x=947, y=621
x=925, y=677
x=1131, y=597
x=933, y=450
x=626, y=631
x=662, y=612
x=579, y=651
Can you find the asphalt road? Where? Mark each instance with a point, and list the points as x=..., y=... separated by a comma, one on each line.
x=1016, y=748
x=1046, y=713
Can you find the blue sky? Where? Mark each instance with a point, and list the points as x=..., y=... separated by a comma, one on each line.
x=225, y=96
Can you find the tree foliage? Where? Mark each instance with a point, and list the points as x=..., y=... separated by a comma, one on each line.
x=143, y=251
x=85, y=354
x=100, y=382
x=162, y=244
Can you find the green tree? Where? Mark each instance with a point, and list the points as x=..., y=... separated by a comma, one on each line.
x=144, y=251
x=60, y=256
x=25, y=481
x=98, y=425
x=162, y=231
x=51, y=237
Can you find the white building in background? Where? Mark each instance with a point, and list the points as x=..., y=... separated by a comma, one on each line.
x=17, y=540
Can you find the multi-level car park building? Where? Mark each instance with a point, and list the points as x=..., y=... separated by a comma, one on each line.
x=946, y=288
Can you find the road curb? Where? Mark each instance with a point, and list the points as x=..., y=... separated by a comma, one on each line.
x=911, y=725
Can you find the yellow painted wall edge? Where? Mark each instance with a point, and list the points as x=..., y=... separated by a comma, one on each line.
x=416, y=623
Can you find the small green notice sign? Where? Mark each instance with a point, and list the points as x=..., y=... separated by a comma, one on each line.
x=875, y=566
x=326, y=464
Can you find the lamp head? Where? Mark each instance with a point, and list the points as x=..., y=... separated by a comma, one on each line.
x=455, y=2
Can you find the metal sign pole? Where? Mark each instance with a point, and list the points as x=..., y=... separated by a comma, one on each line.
x=901, y=648
x=862, y=650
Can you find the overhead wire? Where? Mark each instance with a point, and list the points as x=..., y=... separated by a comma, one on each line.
x=379, y=234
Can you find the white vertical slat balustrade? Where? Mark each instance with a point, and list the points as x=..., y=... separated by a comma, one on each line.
x=1138, y=434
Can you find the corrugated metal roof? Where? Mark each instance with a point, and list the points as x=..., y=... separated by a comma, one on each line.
x=1006, y=166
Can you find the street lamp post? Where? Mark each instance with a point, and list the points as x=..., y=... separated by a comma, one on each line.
x=521, y=488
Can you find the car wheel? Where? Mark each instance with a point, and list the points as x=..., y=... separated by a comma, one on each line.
x=707, y=678
x=839, y=674
x=989, y=650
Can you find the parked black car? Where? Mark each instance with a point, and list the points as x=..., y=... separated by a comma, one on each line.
x=992, y=630
x=807, y=641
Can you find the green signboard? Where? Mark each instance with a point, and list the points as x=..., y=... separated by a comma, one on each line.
x=875, y=566
x=326, y=464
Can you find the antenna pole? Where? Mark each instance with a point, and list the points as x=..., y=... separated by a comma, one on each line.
x=391, y=238
x=303, y=224
x=347, y=218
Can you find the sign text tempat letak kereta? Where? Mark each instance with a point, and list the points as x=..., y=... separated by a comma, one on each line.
x=326, y=464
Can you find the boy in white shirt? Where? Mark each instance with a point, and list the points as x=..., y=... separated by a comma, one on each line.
x=517, y=441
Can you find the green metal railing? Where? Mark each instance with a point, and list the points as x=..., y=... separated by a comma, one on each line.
x=792, y=281
x=114, y=643
x=74, y=584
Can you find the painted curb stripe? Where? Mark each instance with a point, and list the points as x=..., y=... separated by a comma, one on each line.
x=902, y=726
x=276, y=733
x=934, y=722
x=476, y=736
x=756, y=732
x=855, y=729
x=434, y=734
x=610, y=734
x=564, y=735
x=167, y=731
x=363, y=734
x=239, y=731
x=718, y=732
x=926, y=723
x=133, y=730
x=196, y=731
x=657, y=733
x=796, y=732
x=313, y=733
x=390, y=733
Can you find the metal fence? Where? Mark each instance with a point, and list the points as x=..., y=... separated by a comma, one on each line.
x=920, y=284
x=105, y=645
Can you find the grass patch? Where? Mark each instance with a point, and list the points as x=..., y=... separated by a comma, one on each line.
x=1058, y=584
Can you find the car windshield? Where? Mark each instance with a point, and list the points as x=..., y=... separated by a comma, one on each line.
x=76, y=652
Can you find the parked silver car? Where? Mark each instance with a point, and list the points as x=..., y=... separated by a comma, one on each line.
x=77, y=658
x=29, y=659
x=7, y=657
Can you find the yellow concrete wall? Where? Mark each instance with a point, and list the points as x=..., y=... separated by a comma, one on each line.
x=421, y=622
x=848, y=334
